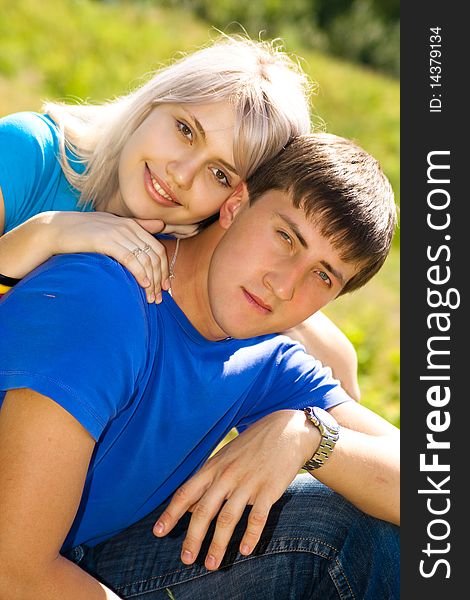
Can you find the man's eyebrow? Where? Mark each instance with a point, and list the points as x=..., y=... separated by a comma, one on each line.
x=336, y=273
x=202, y=133
x=293, y=226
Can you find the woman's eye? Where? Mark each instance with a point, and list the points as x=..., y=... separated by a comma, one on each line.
x=221, y=177
x=184, y=130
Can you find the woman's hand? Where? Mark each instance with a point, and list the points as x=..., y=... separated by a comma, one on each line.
x=129, y=241
x=253, y=469
x=179, y=231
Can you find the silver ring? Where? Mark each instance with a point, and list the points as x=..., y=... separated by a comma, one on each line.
x=146, y=248
x=137, y=251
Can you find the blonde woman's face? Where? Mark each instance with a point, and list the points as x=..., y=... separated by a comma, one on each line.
x=178, y=165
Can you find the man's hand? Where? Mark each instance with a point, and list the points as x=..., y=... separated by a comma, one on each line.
x=253, y=469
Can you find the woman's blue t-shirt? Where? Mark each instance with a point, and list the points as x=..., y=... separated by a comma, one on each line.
x=31, y=178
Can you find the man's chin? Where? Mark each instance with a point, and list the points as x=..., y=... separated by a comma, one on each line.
x=239, y=325
x=242, y=332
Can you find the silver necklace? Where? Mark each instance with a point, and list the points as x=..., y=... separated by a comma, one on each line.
x=172, y=265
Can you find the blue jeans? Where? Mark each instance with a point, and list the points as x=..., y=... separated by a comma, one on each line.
x=315, y=545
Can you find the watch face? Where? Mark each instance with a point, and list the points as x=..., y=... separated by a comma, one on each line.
x=325, y=417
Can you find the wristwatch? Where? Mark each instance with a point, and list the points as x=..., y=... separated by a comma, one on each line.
x=329, y=430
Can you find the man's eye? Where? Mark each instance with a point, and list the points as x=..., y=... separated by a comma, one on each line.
x=220, y=176
x=184, y=130
x=285, y=236
x=324, y=277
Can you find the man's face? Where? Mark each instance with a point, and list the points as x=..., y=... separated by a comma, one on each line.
x=272, y=269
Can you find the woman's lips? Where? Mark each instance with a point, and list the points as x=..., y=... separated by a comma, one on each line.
x=157, y=191
x=257, y=303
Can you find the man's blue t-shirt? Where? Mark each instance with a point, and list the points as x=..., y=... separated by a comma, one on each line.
x=31, y=178
x=155, y=395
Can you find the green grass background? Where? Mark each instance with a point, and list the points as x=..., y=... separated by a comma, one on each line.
x=96, y=50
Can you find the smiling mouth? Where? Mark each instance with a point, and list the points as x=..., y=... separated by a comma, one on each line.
x=154, y=186
x=257, y=303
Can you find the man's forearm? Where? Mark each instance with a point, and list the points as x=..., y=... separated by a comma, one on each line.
x=365, y=469
x=61, y=580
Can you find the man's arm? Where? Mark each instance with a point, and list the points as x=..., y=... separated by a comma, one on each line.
x=44, y=457
x=257, y=467
x=365, y=464
x=328, y=344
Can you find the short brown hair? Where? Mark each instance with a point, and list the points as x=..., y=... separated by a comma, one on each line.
x=342, y=189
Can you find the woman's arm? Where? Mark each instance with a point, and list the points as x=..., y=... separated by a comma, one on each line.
x=30, y=244
x=44, y=457
x=327, y=343
x=2, y=212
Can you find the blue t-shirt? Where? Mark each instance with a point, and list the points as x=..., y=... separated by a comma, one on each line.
x=31, y=178
x=154, y=393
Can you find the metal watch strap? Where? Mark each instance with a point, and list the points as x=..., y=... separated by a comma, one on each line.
x=330, y=435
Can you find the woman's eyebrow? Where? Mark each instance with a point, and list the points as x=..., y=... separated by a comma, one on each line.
x=197, y=123
x=202, y=133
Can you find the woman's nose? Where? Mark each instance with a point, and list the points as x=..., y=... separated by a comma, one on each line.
x=182, y=173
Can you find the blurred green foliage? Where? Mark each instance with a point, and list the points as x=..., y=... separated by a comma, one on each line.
x=73, y=49
x=365, y=31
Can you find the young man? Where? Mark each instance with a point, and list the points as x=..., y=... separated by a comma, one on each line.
x=113, y=404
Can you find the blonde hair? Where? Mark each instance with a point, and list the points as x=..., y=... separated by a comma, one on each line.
x=268, y=89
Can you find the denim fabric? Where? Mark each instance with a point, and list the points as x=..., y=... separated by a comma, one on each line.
x=315, y=545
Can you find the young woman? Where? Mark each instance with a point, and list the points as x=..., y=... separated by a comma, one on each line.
x=165, y=157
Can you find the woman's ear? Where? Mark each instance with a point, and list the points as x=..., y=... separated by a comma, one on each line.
x=233, y=204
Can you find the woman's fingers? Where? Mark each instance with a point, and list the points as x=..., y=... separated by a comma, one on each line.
x=149, y=265
x=123, y=239
x=146, y=259
x=139, y=263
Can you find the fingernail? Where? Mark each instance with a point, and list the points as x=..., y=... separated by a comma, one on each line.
x=159, y=527
x=159, y=298
x=166, y=284
x=187, y=556
x=245, y=549
x=210, y=562
x=150, y=298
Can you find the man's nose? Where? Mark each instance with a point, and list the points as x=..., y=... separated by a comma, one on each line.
x=182, y=173
x=282, y=283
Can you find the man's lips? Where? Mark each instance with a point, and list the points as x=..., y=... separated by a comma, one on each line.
x=158, y=190
x=257, y=303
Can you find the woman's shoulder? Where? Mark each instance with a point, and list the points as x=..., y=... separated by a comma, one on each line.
x=29, y=169
x=30, y=130
x=28, y=138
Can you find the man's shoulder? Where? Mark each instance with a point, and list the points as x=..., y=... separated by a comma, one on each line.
x=278, y=351
x=99, y=270
x=80, y=285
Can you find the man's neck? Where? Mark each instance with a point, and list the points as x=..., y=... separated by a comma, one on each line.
x=189, y=286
